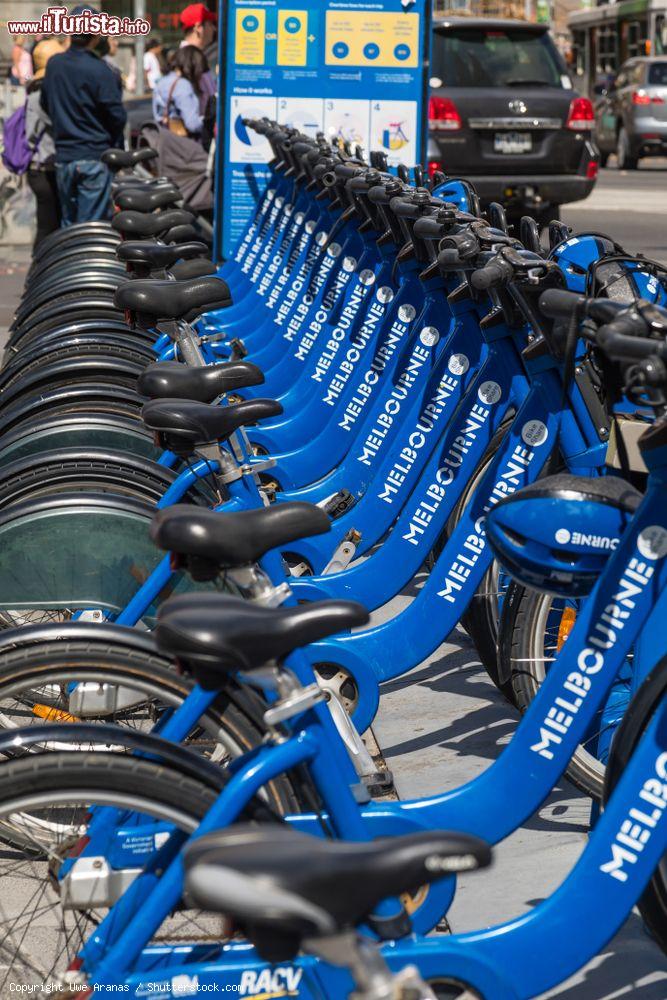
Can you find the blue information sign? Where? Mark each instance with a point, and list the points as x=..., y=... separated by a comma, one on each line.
x=353, y=69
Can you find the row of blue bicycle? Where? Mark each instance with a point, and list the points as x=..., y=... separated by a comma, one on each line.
x=210, y=476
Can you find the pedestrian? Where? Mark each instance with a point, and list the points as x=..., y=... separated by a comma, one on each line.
x=152, y=63
x=21, y=69
x=180, y=107
x=108, y=49
x=199, y=28
x=181, y=97
x=83, y=99
x=41, y=172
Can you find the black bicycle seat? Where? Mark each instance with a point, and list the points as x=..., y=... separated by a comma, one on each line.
x=211, y=540
x=151, y=224
x=119, y=159
x=164, y=299
x=147, y=199
x=183, y=424
x=181, y=234
x=186, y=270
x=214, y=634
x=157, y=255
x=283, y=886
x=173, y=380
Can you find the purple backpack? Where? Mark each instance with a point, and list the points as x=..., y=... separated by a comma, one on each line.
x=17, y=153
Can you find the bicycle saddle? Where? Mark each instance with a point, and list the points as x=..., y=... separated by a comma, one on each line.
x=173, y=380
x=151, y=224
x=212, y=541
x=157, y=255
x=164, y=299
x=118, y=159
x=183, y=424
x=214, y=634
x=147, y=199
x=283, y=886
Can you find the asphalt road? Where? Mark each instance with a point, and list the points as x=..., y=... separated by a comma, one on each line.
x=630, y=206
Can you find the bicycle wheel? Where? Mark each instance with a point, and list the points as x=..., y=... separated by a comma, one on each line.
x=642, y=708
x=93, y=470
x=27, y=362
x=67, y=374
x=43, y=682
x=81, y=430
x=56, y=792
x=86, y=398
x=534, y=627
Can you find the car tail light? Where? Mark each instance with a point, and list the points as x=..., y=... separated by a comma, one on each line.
x=581, y=114
x=433, y=167
x=592, y=170
x=443, y=115
x=641, y=97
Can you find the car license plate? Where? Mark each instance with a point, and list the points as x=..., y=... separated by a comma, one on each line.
x=512, y=142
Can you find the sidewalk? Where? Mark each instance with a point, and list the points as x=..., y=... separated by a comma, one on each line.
x=14, y=264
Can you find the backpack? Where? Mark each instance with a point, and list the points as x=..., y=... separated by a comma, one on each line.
x=18, y=153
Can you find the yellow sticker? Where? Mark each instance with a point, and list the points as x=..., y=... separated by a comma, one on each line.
x=367, y=38
x=292, y=37
x=250, y=36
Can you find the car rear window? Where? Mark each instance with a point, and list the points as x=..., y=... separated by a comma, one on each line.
x=495, y=57
x=657, y=74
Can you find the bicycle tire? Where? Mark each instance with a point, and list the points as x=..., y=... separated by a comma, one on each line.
x=237, y=712
x=75, y=352
x=56, y=789
x=82, y=429
x=522, y=625
x=97, y=471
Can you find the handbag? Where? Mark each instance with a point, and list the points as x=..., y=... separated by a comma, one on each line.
x=174, y=125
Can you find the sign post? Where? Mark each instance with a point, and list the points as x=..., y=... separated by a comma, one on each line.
x=356, y=70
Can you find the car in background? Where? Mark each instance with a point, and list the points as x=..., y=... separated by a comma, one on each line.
x=631, y=113
x=503, y=113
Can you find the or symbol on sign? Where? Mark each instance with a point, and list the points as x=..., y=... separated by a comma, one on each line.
x=340, y=50
x=371, y=51
x=250, y=23
x=292, y=24
x=402, y=52
x=562, y=536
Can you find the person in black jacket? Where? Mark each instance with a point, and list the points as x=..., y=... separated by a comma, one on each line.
x=83, y=98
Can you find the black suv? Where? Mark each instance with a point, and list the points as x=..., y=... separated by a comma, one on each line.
x=503, y=113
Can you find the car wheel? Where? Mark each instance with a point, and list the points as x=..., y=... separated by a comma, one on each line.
x=624, y=158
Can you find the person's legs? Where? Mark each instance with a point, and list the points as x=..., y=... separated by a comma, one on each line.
x=93, y=191
x=43, y=186
x=66, y=187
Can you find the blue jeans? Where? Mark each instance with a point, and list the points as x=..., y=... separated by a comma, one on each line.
x=84, y=189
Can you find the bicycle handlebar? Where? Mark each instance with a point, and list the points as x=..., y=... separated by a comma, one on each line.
x=496, y=271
